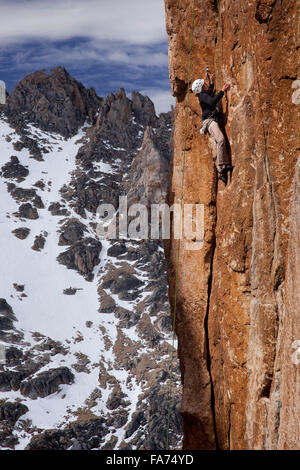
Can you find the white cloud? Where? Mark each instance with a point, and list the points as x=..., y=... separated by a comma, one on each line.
x=91, y=53
x=132, y=21
x=112, y=42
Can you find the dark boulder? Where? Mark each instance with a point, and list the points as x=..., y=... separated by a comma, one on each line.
x=37, y=202
x=83, y=256
x=11, y=380
x=127, y=318
x=13, y=356
x=85, y=435
x=5, y=323
x=39, y=243
x=46, y=383
x=6, y=315
x=125, y=282
x=7, y=438
x=50, y=440
x=107, y=303
x=19, y=287
x=14, y=170
x=30, y=144
x=88, y=194
x=71, y=232
x=21, y=232
x=21, y=194
x=57, y=209
x=11, y=412
x=119, y=420
x=165, y=323
x=137, y=420
x=26, y=211
x=70, y=291
x=128, y=296
x=117, y=249
x=115, y=400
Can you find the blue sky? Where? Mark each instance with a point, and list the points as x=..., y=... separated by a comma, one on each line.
x=106, y=44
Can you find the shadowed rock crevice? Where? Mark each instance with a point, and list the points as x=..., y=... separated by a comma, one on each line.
x=207, y=342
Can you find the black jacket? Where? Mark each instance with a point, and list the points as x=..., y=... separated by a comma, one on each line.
x=208, y=102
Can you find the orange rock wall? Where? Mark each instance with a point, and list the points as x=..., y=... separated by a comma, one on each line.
x=238, y=301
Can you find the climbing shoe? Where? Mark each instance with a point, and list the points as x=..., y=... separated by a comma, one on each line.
x=228, y=168
x=222, y=175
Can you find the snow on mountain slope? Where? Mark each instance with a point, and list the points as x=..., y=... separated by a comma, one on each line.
x=90, y=349
x=45, y=309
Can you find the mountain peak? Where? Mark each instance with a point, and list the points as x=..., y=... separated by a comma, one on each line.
x=142, y=107
x=55, y=102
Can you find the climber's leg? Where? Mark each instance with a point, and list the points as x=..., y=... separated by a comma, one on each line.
x=223, y=160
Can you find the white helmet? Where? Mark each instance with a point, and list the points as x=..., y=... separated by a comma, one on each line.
x=197, y=86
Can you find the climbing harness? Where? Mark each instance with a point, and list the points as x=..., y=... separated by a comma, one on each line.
x=206, y=124
x=181, y=204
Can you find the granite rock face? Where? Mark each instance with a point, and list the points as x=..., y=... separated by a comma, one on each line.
x=238, y=296
x=148, y=176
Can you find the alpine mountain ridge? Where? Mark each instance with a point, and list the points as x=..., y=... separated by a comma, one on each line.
x=85, y=322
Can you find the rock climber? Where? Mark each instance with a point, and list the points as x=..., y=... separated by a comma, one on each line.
x=204, y=90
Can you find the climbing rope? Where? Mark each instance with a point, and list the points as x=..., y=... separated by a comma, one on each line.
x=218, y=46
x=181, y=205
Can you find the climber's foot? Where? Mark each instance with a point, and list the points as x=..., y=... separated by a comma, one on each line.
x=222, y=175
x=225, y=168
x=229, y=167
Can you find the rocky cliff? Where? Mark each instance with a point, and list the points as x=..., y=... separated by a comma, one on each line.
x=85, y=322
x=238, y=301
x=55, y=102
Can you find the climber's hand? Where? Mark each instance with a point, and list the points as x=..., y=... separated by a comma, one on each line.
x=213, y=78
x=226, y=86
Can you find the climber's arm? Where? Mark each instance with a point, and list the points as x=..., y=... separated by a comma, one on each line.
x=218, y=97
x=211, y=101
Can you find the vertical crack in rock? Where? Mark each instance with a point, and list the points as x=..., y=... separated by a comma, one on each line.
x=277, y=279
x=229, y=427
x=208, y=357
